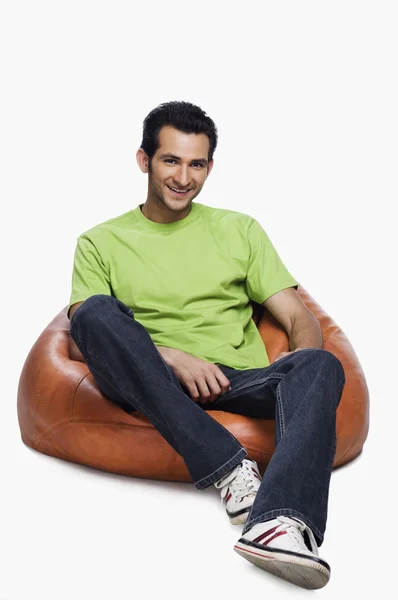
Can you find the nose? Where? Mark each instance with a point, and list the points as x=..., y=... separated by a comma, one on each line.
x=181, y=176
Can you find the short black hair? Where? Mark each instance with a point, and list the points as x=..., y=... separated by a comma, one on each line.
x=185, y=117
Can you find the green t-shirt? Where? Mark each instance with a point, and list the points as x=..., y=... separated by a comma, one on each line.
x=189, y=282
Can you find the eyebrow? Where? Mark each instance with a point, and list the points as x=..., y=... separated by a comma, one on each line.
x=168, y=155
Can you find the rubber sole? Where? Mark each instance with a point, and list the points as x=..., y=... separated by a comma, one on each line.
x=239, y=519
x=308, y=573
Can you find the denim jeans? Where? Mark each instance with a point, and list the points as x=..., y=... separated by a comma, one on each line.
x=300, y=391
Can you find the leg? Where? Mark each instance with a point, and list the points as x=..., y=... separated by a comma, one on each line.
x=302, y=391
x=287, y=519
x=130, y=371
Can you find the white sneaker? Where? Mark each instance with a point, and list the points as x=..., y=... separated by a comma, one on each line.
x=239, y=489
x=278, y=546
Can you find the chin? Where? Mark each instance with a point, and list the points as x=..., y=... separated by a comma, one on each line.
x=177, y=205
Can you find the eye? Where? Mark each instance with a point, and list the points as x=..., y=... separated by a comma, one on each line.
x=173, y=160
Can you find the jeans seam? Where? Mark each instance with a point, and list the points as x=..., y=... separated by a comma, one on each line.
x=96, y=357
x=280, y=410
x=278, y=512
x=224, y=469
x=169, y=369
x=261, y=381
x=81, y=341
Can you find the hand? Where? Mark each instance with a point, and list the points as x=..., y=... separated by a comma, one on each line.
x=204, y=381
x=282, y=354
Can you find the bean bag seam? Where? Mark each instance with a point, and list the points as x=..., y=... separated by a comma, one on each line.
x=49, y=431
x=86, y=422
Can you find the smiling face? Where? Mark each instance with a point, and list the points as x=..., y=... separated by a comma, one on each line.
x=176, y=175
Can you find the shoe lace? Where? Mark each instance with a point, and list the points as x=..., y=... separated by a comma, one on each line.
x=244, y=484
x=296, y=530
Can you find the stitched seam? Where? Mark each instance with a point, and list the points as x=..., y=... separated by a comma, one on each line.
x=119, y=424
x=223, y=467
x=280, y=410
x=45, y=433
x=223, y=426
x=261, y=381
x=75, y=392
x=216, y=470
x=49, y=431
x=86, y=422
x=96, y=357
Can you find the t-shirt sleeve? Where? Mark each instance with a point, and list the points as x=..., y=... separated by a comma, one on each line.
x=266, y=273
x=90, y=275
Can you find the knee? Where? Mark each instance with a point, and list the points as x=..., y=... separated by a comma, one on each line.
x=91, y=309
x=332, y=364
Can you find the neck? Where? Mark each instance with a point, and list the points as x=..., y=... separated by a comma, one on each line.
x=159, y=213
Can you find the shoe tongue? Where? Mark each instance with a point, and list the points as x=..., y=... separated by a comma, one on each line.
x=308, y=536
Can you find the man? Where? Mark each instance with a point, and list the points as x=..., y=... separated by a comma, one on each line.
x=160, y=312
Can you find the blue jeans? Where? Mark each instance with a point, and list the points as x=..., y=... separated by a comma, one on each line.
x=300, y=391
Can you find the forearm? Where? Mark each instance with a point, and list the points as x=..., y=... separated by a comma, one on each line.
x=305, y=333
x=168, y=354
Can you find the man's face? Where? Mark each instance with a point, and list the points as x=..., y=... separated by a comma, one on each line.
x=179, y=168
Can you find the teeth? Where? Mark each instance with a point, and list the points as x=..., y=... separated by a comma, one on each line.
x=181, y=191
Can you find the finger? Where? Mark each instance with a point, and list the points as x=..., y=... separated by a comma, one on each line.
x=193, y=391
x=223, y=381
x=214, y=387
x=204, y=391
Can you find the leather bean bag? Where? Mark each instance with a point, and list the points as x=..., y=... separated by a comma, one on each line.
x=62, y=413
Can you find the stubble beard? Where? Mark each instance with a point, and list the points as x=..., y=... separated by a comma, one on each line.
x=176, y=206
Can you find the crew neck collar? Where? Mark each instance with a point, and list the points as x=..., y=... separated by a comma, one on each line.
x=165, y=227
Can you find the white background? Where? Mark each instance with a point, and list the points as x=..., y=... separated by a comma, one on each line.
x=304, y=95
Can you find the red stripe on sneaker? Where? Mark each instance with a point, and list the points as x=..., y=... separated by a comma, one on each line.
x=245, y=549
x=228, y=497
x=268, y=540
x=256, y=474
x=265, y=534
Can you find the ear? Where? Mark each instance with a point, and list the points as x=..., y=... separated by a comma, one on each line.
x=142, y=160
x=210, y=166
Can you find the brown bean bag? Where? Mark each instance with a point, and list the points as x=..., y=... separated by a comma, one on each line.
x=62, y=413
